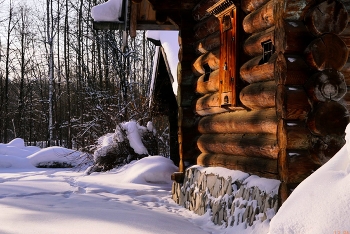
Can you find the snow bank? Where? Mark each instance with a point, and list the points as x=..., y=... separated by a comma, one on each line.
x=170, y=43
x=152, y=169
x=108, y=11
x=55, y=154
x=321, y=203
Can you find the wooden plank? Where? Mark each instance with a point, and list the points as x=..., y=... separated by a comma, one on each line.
x=259, y=95
x=141, y=25
x=297, y=106
x=298, y=136
x=200, y=10
x=250, y=145
x=266, y=168
x=261, y=121
x=346, y=72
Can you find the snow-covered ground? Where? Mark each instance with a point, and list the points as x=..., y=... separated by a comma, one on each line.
x=135, y=198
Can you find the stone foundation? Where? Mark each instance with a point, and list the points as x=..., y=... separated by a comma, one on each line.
x=231, y=200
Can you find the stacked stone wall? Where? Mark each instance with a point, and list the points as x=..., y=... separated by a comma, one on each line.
x=229, y=202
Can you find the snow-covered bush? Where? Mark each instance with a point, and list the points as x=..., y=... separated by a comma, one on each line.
x=130, y=141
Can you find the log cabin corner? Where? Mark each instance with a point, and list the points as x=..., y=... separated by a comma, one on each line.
x=263, y=88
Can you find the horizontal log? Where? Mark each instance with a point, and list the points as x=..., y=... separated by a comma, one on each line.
x=262, y=167
x=261, y=121
x=206, y=27
x=291, y=37
x=251, y=5
x=346, y=72
x=208, y=83
x=328, y=118
x=260, y=19
x=212, y=59
x=291, y=69
x=200, y=10
x=210, y=104
x=250, y=145
x=209, y=43
x=253, y=71
x=292, y=103
x=259, y=95
x=298, y=136
x=327, y=52
x=326, y=85
x=252, y=46
x=300, y=166
x=327, y=17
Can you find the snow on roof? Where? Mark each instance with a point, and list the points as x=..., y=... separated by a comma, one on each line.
x=108, y=11
x=170, y=44
x=321, y=203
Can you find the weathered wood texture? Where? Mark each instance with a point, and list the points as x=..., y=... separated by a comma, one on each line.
x=326, y=85
x=206, y=27
x=298, y=136
x=327, y=17
x=327, y=52
x=250, y=145
x=261, y=19
x=328, y=118
x=210, y=58
x=292, y=103
x=325, y=147
x=208, y=44
x=291, y=37
x=259, y=95
x=210, y=104
x=346, y=72
x=261, y=121
x=345, y=35
x=263, y=167
x=291, y=69
x=300, y=166
x=208, y=86
x=252, y=71
x=200, y=10
x=296, y=9
x=252, y=46
x=252, y=5
x=287, y=69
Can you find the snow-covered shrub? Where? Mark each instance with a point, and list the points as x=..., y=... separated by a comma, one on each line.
x=130, y=141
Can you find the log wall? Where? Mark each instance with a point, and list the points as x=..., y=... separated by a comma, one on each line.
x=285, y=125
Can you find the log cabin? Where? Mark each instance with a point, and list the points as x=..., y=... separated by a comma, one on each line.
x=263, y=84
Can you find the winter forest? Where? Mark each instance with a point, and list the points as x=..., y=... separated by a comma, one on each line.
x=64, y=83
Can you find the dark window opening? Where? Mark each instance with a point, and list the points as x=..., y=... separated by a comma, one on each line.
x=207, y=71
x=268, y=50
